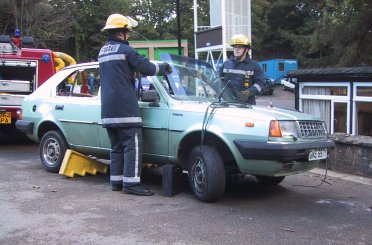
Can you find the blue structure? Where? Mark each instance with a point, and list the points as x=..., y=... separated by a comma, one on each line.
x=278, y=68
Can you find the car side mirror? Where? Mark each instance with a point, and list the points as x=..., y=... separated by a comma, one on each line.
x=149, y=95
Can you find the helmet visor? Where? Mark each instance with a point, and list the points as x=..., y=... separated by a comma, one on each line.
x=133, y=22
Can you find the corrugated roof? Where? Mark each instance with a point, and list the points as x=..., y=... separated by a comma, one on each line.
x=333, y=72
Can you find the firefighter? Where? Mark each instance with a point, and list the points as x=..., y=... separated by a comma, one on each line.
x=120, y=114
x=243, y=75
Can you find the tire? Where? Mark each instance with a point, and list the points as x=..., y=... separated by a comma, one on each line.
x=269, y=180
x=206, y=173
x=52, y=148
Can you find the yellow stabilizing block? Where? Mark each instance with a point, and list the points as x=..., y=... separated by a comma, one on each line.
x=77, y=163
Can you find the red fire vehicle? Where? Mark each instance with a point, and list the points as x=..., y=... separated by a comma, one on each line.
x=22, y=70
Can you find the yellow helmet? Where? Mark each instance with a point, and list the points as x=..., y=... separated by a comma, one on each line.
x=240, y=39
x=118, y=21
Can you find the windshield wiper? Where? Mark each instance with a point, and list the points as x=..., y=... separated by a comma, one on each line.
x=220, y=103
x=222, y=92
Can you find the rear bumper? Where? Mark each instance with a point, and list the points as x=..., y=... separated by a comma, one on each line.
x=281, y=152
x=26, y=127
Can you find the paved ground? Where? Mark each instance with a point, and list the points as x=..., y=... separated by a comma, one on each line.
x=37, y=207
x=280, y=98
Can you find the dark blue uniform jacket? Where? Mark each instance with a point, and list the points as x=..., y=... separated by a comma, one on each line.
x=243, y=75
x=118, y=62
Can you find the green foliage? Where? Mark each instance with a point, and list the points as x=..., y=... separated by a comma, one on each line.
x=280, y=27
x=317, y=33
x=344, y=33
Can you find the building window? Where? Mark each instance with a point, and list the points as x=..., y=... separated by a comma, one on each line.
x=280, y=66
x=320, y=108
x=331, y=90
x=345, y=106
x=362, y=108
x=340, y=117
x=364, y=118
x=328, y=101
x=364, y=91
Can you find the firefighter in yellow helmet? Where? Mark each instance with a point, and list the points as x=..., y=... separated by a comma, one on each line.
x=120, y=114
x=243, y=74
x=118, y=21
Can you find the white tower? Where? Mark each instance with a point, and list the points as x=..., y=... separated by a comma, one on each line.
x=227, y=17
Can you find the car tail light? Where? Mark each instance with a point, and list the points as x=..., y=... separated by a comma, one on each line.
x=19, y=114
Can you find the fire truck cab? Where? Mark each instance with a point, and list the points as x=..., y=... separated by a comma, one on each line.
x=22, y=70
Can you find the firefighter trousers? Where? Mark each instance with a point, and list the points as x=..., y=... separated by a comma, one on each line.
x=125, y=155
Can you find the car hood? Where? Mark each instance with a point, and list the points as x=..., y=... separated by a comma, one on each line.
x=256, y=112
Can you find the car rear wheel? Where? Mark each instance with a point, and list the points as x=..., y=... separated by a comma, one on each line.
x=53, y=147
x=269, y=180
x=206, y=173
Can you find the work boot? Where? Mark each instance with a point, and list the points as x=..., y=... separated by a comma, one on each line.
x=116, y=187
x=138, y=190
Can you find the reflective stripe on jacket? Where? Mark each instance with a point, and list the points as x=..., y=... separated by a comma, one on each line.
x=243, y=75
x=118, y=62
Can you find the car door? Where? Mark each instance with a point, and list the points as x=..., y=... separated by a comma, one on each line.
x=77, y=111
x=155, y=125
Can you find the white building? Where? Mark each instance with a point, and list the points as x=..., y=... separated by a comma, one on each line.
x=342, y=96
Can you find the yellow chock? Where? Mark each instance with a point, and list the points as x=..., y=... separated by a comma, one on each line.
x=77, y=163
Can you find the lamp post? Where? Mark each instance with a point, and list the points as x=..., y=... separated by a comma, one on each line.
x=178, y=26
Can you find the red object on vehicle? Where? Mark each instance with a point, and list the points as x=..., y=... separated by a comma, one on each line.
x=22, y=70
x=17, y=41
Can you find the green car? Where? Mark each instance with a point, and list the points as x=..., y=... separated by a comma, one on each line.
x=190, y=119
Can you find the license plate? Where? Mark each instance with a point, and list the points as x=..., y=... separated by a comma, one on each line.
x=5, y=117
x=316, y=154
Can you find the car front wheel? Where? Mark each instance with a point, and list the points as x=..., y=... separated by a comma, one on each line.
x=269, y=180
x=53, y=147
x=206, y=173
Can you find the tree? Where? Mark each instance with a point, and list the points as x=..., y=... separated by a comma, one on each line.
x=158, y=20
x=343, y=34
x=317, y=33
x=278, y=27
x=39, y=19
x=89, y=18
x=153, y=16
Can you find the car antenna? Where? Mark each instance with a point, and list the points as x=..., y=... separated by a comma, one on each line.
x=146, y=39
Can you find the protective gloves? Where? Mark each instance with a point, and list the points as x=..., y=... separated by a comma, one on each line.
x=164, y=69
x=242, y=96
x=168, y=68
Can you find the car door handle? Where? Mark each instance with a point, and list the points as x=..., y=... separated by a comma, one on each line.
x=59, y=107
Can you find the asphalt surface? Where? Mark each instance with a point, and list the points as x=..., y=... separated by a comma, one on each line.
x=280, y=98
x=37, y=207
